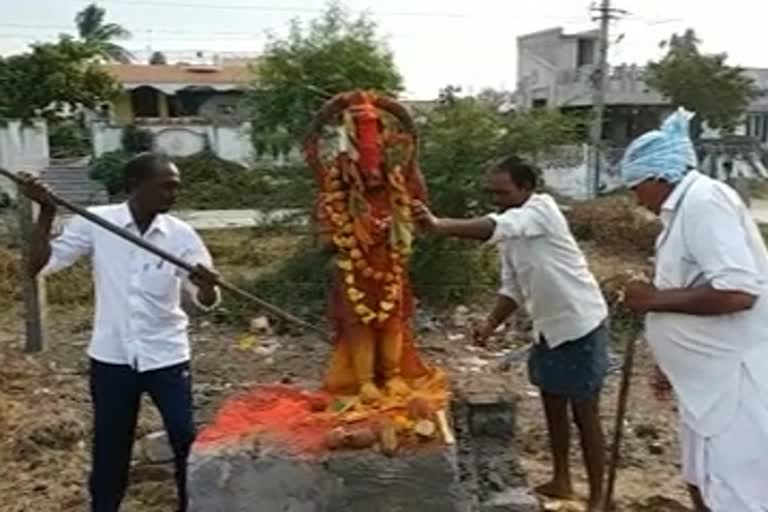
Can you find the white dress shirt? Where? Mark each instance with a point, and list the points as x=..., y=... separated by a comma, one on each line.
x=543, y=269
x=710, y=238
x=139, y=320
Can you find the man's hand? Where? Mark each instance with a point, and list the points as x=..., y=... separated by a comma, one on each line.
x=36, y=190
x=424, y=218
x=204, y=278
x=481, y=332
x=639, y=296
x=662, y=389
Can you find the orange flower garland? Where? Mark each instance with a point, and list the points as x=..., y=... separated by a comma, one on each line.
x=351, y=239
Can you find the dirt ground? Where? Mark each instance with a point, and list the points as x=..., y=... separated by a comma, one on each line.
x=45, y=410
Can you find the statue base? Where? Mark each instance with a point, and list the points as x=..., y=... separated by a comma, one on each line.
x=270, y=449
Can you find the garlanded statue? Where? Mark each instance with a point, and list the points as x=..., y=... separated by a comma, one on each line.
x=377, y=393
x=362, y=148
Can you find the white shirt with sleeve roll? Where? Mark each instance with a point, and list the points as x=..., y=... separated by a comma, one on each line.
x=543, y=269
x=138, y=318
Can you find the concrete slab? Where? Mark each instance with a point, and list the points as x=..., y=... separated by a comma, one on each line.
x=260, y=480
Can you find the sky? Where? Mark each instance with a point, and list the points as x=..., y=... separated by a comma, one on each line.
x=466, y=43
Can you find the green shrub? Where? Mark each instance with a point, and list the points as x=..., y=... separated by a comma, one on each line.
x=137, y=140
x=447, y=271
x=108, y=169
x=210, y=182
x=213, y=183
x=300, y=285
x=68, y=139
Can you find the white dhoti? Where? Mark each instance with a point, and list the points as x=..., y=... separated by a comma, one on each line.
x=731, y=468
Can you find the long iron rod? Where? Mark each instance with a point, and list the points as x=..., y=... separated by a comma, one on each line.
x=171, y=258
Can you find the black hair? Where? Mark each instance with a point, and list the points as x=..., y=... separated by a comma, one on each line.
x=521, y=172
x=142, y=167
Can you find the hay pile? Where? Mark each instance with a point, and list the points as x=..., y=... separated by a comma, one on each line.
x=615, y=224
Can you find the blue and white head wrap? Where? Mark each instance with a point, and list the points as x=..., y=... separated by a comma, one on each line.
x=666, y=154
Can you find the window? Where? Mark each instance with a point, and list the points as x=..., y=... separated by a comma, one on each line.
x=540, y=103
x=145, y=102
x=585, y=55
x=757, y=126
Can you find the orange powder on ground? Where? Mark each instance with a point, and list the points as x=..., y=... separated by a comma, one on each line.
x=279, y=414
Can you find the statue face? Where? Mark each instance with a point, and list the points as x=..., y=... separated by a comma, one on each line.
x=373, y=179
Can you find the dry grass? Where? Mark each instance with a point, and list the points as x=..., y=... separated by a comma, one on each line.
x=240, y=254
x=616, y=225
x=67, y=288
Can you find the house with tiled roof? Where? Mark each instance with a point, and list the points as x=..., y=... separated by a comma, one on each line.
x=167, y=92
x=187, y=106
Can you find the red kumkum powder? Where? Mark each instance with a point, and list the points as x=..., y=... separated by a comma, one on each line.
x=278, y=414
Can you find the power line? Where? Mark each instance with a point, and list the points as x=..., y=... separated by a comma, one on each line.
x=160, y=30
x=274, y=8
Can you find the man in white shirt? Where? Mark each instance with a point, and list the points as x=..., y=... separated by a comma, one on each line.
x=543, y=269
x=139, y=341
x=706, y=318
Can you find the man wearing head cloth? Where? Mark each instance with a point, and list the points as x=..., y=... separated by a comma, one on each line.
x=706, y=318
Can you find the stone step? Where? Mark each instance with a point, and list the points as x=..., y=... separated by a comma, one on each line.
x=72, y=183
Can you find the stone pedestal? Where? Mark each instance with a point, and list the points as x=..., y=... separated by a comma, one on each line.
x=355, y=481
x=285, y=467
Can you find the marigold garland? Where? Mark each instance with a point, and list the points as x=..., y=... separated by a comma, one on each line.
x=341, y=196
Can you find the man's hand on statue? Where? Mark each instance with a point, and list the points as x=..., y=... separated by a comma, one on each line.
x=423, y=217
x=639, y=296
x=36, y=190
x=662, y=389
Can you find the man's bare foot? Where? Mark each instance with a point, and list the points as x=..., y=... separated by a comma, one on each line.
x=554, y=489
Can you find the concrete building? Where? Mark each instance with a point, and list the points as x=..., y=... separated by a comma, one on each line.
x=556, y=70
x=756, y=121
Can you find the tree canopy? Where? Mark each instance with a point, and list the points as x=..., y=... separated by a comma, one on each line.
x=158, y=59
x=334, y=53
x=700, y=82
x=52, y=78
x=462, y=137
x=101, y=36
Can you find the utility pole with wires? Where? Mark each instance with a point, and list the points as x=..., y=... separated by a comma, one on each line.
x=599, y=84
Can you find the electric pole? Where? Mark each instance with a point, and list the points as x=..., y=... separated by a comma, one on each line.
x=599, y=86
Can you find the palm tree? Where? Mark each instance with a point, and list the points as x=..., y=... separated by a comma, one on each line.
x=93, y=30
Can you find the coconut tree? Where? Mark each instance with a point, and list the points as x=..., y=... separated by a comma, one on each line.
x=94, y=31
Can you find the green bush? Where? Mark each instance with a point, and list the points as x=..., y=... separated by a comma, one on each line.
x=300, y=285
x=137, y=140
x=210, y=182
x=446, y=271
x=108, y=169
x=213, y=183
x=68, y=139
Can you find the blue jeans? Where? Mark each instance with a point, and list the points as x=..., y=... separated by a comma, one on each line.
x=116, y=392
